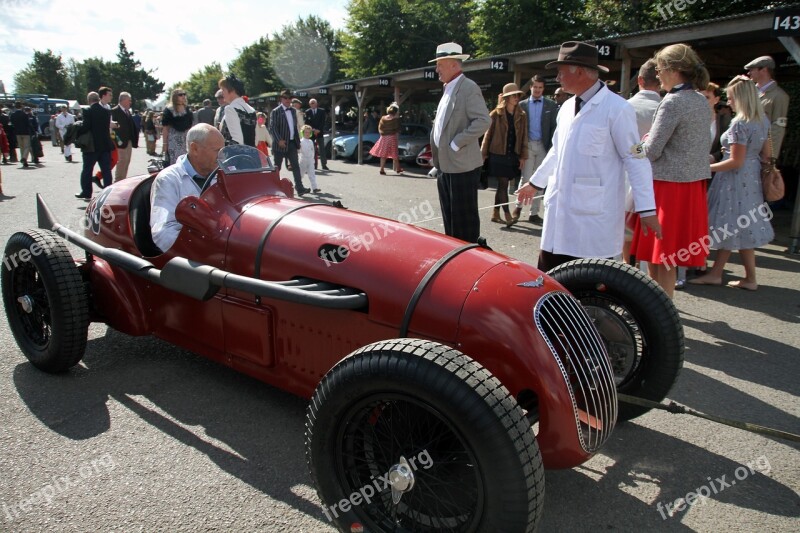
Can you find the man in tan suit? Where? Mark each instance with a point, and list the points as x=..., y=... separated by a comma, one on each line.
x=461, y=118
x=775, y=100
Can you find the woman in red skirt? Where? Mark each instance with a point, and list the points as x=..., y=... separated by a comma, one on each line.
x=386, y=147
x=677, y=146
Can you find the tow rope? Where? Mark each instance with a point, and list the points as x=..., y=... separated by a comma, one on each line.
x=678, y=409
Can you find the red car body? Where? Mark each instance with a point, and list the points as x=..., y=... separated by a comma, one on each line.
x=248, y=224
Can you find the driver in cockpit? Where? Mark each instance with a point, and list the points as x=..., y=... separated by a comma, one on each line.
x=184, y=178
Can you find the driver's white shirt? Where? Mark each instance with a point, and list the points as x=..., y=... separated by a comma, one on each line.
x=172, y=185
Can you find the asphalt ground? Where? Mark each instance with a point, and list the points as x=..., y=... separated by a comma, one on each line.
x=143, y=436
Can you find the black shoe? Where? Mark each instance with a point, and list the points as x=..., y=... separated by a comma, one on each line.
x=325, y=167
x=303, y=191
x=536, y=219
x=97, y=182
x=24, y=164
x=82, y=196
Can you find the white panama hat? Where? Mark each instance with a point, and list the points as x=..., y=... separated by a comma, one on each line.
x=449, y=51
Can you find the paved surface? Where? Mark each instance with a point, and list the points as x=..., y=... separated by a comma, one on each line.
x=142, y=436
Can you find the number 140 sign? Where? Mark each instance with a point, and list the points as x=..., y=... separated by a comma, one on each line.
x=786, y=22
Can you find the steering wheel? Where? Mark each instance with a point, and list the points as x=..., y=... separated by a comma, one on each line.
x=209, y=179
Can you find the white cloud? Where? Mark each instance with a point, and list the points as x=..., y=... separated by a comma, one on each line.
x=172, y=41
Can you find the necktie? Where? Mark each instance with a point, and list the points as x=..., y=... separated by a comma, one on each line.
x=199, y=180
x=578, y=104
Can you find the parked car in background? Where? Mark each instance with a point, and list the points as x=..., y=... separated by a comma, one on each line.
x=425, y=157
x=413, y=137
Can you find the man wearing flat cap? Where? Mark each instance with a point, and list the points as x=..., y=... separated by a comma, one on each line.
x=774, y=99
x=461, y=118
x=595, y=143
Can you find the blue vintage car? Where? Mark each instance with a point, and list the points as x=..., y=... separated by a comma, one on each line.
x=413, y=138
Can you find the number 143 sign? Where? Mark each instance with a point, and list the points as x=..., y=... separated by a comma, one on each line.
x=786, y=22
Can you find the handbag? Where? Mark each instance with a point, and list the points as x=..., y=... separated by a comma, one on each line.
x=85, y=141
x=771, y=178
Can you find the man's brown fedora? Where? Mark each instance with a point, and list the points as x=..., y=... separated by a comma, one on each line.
x=577, y=53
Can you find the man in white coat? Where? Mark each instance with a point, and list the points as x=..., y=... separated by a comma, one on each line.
x=595, y=142
x=64, y=119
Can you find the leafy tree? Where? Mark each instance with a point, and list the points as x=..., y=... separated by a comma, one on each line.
x=502, y=26
x=46, y=74
x=392, y=35
x=252, y=66
x=128, y=75
x=305, y=53
x=202, y=84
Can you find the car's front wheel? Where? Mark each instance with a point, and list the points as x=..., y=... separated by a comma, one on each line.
x=411, y=435
x=45, y=300
x=637, y=321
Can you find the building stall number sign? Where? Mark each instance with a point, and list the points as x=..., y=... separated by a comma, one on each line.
x=384, y=82
x=499, y=64
x=323, y=90
x=430, y=74
x=606, y=50
x=349, y=86
x=786, y=22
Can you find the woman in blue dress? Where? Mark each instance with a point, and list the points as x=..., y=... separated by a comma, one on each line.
x=738, y=216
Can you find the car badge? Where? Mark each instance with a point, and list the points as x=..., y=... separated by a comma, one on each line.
x=538, y=282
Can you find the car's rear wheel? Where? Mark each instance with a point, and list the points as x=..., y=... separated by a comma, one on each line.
x=637, y=321
x=410, y=435
x=45, y=300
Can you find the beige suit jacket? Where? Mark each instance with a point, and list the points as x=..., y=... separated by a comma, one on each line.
x=776, y=106
x=466, y=119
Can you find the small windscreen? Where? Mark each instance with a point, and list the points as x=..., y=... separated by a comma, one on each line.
x=237, y=158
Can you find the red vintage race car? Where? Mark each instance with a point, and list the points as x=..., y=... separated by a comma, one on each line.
x=442, y=376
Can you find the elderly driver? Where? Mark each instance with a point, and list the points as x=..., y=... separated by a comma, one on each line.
x=184, y=178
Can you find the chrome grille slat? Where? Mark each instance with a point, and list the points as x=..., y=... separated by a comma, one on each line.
x=606, y=381
x=581, y=355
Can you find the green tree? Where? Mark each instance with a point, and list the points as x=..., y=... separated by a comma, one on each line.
x=202, y=84
x=391, y=35
x=128, y=75
x=502, y=26
x=252, y=66
x=305, y=53
x=46, y=74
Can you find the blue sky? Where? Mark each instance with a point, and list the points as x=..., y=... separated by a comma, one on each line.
x=172, y=38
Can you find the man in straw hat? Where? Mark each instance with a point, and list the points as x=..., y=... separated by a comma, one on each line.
x=595, y=142
x=461, y=119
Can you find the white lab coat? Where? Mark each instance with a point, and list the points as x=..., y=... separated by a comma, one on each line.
x=584, y=173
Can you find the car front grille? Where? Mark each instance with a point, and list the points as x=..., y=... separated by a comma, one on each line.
x=580, y=353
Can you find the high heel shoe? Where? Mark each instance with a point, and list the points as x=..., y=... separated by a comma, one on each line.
x=383, y=172
x=496, y=215
x=517, y=213
x=400, y=170
x=510, y=220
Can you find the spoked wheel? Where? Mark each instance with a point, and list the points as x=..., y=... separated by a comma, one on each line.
x=410, y=435
x=637, y=321
x=45, y=300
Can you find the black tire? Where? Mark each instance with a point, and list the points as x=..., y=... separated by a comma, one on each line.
x=366, y=157
x=479, y=464
x=45, y=300
x=637, y=321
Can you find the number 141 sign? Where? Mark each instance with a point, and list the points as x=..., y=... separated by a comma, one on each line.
x=786, y=22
